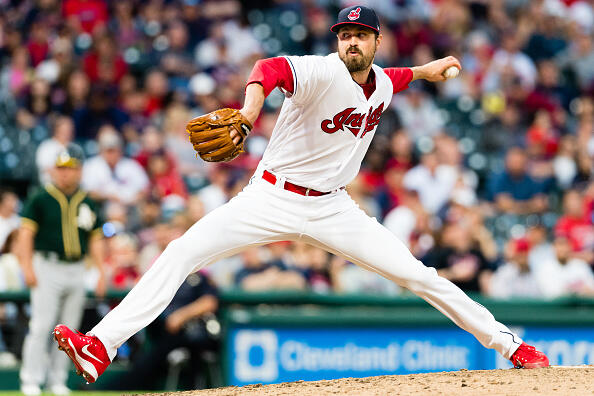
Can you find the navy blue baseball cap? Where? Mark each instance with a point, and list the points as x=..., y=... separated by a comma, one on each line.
x=357, y=15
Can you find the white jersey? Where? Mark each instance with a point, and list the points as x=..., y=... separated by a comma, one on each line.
x=325, y=127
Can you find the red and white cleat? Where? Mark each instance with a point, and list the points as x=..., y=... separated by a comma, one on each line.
x=526, y=356
x=86, y=352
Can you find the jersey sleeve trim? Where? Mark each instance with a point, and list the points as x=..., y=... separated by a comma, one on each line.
x=29, y=223
x=294, y=75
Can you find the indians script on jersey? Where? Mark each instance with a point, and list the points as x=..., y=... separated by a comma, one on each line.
x=353, y=121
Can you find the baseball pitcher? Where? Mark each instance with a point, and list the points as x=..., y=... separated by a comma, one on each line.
x=332, y=108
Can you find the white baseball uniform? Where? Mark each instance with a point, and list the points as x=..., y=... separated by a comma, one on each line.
x=322, y=134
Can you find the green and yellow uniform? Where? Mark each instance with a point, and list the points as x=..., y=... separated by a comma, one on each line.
x=63, y=224
x=63, y=228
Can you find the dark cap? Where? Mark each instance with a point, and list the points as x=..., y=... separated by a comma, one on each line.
x=71, y=157
x=357, y=15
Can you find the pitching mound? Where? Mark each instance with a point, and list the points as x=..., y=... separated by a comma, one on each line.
x=574, y=381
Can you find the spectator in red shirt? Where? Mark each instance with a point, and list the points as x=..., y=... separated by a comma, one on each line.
x=38, y=46
x=156, y=87
x=165, y=179
x=575, y=225
x=372, y=174
x=410, y=34
x=401, y=151
x=152, y=142
x=541, y=138
x=122, y=261
x=104, y=63
x=549, y=94
x=85, y=15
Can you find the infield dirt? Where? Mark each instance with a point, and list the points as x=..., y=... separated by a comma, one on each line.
x=568, y=381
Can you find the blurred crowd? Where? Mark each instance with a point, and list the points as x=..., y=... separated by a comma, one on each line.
x=487, y=177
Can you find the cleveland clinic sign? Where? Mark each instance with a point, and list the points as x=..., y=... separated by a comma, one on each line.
x=272, y=355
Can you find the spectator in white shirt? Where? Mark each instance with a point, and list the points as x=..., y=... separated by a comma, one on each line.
x=434, y=182
x=111, y=176
x=410, y=223
x=514, y=278
x=558, y=274
x=418, y=113
x=217, y=192
x=49, y=149
x=227, y=43
x=510, y=58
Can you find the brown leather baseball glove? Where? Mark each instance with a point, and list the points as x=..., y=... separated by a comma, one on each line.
x=210, y=134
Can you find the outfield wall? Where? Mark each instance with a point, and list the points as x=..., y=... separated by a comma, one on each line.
x=278, y=337
x=326, y=337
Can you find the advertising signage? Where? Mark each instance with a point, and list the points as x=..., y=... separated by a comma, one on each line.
x=272, y=355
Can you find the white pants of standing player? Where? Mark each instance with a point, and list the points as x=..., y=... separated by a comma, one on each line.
x=264, y=213
x=59, y=297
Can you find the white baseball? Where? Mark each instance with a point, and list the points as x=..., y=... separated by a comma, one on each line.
x=451, y=72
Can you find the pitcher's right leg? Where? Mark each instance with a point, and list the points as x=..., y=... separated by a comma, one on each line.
x=357, y=237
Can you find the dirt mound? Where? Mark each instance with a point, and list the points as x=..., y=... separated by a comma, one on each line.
x=574, y=381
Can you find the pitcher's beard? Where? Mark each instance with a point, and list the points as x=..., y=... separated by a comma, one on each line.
x=358, y=63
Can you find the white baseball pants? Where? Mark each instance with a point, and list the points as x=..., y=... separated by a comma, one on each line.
x=59, y=297
x=264, y=213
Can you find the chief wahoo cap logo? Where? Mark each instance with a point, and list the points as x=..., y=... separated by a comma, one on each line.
x=354, y=14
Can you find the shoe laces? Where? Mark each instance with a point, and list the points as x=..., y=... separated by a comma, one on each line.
x=519, y=356
x=528, y=348
x=87, y=338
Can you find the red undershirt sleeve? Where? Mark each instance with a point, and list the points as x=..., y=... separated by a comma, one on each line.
x=272, y=73
x=400, y=76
